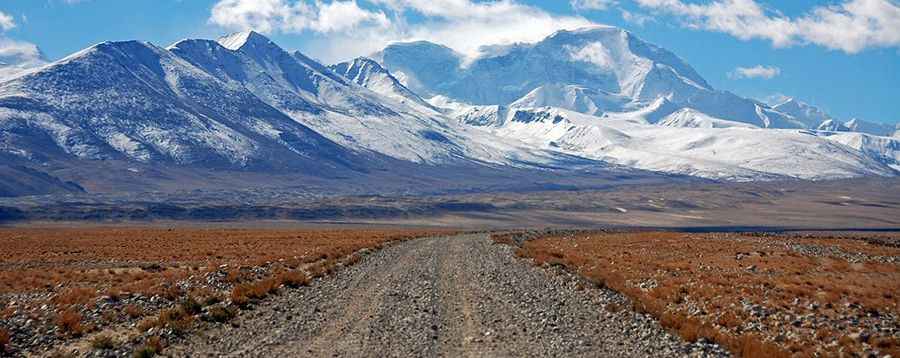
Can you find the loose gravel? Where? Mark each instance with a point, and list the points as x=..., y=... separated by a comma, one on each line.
x=436, y=297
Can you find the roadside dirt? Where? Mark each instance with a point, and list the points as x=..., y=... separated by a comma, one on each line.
x=450, y=296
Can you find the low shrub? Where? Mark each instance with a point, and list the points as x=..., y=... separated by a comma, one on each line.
x=75, y=296
x=190, y=306
x=221, y=314
x=294, y=279
x=133, y=311
x=151, y=348
x=69, y=323
x=103, y=342
x=239, y=295
x=5, y=340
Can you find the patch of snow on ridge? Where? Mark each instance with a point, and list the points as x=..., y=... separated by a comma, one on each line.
x=691, y=118
x=236, y=40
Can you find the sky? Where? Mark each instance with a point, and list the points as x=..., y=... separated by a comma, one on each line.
x=841, y=55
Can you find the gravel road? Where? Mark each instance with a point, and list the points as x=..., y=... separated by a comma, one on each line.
x=450, y=296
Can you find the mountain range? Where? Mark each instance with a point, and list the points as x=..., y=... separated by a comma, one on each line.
x=596, y=99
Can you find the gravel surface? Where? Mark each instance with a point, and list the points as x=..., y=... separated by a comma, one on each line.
x=452, y=296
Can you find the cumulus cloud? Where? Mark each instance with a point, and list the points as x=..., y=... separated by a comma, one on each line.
x=16, y=56
x=758, y=71
x=294, y=16
x=6, y=22
x=851, y=26
x=352, y=29
x=635, y=17
x=592, y=4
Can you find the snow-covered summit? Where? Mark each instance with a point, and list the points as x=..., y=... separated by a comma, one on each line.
x=811, y=116
x=595, y=70
x=370, y=74
x=238, y=40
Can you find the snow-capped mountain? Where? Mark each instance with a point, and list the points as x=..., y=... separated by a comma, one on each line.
x=815, y=118
x=595, y=71
x=879, y=129
x=690, y=118
x=333, y=105
x=135, y=101
x=692, y=144
x=812, y=117
x=369, y=74
x=594, y=98
x=832, y=125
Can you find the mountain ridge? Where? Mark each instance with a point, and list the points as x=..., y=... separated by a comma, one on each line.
x=244, y=103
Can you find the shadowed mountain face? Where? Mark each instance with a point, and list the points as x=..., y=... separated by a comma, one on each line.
x=20, y=181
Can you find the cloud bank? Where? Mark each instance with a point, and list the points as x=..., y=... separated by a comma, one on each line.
x=851, y=26
x=354, y=28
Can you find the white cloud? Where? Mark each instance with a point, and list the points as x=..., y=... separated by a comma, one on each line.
x=350, y=30
x=850, y=27
x=18, y=56
x=635, y=17
x=294, y=16
x=593, y=53
x=592, y=4
x=6, y=22
x=758, y=71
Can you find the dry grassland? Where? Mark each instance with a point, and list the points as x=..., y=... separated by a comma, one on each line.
x=74, y=282
x=758, y=295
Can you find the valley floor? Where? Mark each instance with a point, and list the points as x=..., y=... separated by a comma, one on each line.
x=456, y=296
x=119, y=291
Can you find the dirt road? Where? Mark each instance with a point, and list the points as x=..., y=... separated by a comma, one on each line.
x=452, y=296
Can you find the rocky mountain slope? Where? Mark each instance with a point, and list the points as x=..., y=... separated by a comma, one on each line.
x=597, y=99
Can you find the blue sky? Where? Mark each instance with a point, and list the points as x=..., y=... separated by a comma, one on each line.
x=841, y=55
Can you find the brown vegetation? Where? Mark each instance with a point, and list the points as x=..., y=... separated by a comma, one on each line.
x=759, y=296
x=5, y=340
x=82, y=266
x=140, y=258
x=69, y=323
x=103, y=342
x=151, y=348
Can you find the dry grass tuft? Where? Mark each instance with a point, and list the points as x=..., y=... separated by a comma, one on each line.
x=222, y=314
x=151, y=348
x=133, y=311
x=294, y=279
x=75, y=296
x=69, y=323
x=177, y=319
x=103, y=342
x=5, y=340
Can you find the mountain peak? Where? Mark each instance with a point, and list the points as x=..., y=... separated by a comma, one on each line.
x=587, y=30
x=238, y=40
